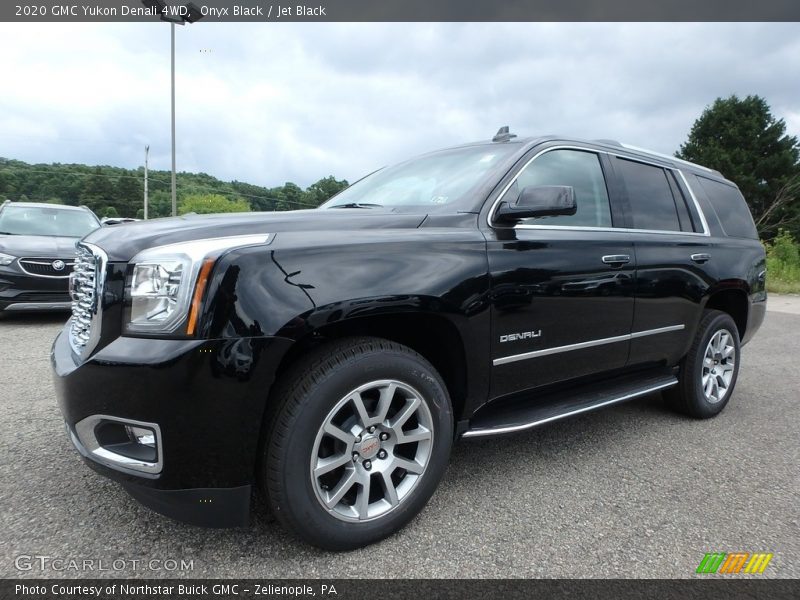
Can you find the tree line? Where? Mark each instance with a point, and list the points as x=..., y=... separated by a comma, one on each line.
x=118, y=192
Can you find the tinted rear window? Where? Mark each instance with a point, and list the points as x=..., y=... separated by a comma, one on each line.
x=731, y=209
x=650, y=196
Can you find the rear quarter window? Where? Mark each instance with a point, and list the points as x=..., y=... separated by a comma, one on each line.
x=731, y=209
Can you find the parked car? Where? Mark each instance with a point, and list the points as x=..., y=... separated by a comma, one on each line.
x=332, y=356
x=37, y=252
x=107, y=221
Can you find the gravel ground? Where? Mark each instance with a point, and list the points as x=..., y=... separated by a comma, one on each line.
x=631, y=491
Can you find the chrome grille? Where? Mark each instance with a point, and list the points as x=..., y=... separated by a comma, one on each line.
x=86, y=290
x=47, y=267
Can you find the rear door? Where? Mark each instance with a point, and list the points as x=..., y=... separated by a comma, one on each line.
x=562, y=287
x=674, y=259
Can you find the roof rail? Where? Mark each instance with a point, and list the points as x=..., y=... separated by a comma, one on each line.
x=654, y=153
x=668, y=157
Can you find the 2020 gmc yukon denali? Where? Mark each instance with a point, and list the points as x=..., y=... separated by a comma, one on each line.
x=331, y=357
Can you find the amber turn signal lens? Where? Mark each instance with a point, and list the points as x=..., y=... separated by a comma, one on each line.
x=199, y=290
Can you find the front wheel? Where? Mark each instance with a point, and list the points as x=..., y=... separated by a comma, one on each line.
x=358, y=443
x=709, y=370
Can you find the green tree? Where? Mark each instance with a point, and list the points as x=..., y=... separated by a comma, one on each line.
x=8, y=186
x=290, y=197
x=319, y=192
x=128, y=195
x=98, y=191
x=743, y=140
x=159, y=204
x=108, y=211
x=211, y=203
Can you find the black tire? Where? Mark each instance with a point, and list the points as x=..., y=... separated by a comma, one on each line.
x=305, y=398
x=689, y=397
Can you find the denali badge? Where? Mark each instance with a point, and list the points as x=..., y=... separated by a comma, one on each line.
x=524, y=335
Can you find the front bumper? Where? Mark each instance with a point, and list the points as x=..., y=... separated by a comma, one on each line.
x=23, y=292
x=207, y=398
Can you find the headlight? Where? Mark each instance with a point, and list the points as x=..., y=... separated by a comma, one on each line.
x=157, y=294
x=167, y=283
x=6, y=259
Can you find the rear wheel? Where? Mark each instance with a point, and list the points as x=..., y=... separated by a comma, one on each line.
x=709, y=370
x=358, y=443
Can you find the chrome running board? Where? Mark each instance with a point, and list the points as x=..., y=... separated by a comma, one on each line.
x=531, y=412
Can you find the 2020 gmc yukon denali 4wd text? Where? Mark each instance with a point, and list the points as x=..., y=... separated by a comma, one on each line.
x=332, y=356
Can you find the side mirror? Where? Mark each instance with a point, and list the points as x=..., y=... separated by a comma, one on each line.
x=539, y=201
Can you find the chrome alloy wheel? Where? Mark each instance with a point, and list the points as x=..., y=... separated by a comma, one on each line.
x=719, y=361
x=372, y=450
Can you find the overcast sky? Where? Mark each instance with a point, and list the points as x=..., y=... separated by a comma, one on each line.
x=270, y=103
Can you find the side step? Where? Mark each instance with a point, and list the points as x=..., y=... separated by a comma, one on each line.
x=519, y=415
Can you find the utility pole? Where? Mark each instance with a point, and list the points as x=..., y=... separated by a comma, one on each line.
x=174, y=193
x=146, y=153
x=190, y=13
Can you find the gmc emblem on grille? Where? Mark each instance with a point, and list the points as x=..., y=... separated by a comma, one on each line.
x=523, y=335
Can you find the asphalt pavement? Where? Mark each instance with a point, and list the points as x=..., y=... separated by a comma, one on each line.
x=631, y=491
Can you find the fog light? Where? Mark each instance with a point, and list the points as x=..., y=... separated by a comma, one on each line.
x=121, y=444
x=141, y=435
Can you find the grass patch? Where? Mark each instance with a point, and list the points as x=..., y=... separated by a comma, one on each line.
x=777, y=286
x=783, y=264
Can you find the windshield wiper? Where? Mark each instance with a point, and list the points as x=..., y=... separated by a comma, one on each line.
x=7, y=233
x=357, y=205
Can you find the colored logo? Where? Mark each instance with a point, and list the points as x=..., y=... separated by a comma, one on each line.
x=734, y=562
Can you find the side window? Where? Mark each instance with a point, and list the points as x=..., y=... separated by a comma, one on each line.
x=652, y=203
x=680, y=204
x=731, y=209
x=575, y=168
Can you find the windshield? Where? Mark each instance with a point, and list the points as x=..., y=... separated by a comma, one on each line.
x=40, y=220
x=427, y=182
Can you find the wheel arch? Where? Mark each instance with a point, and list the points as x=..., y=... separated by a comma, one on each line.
x=432, y=335
x=734, y=302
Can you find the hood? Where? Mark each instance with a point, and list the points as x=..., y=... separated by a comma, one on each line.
x=23, y=246
x=123, y=242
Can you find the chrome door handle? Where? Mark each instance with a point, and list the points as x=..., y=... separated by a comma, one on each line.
x=701, y=258
x=616, y=259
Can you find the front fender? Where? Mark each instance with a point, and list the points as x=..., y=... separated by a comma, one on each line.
x=291, y=288
x=299, y=285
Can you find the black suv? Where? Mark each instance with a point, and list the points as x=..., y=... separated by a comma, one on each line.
x=37, y=251
x=332, y=356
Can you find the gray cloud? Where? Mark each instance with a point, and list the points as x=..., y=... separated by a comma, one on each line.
x=269, y=103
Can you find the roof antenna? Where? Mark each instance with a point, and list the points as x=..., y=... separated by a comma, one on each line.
x=503, y=135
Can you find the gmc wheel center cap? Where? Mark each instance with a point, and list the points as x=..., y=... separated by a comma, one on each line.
x=368, y=447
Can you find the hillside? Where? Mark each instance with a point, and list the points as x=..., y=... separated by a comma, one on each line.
x=113, y=191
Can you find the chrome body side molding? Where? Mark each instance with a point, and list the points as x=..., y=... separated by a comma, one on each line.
x=569, y=347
